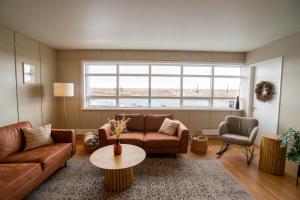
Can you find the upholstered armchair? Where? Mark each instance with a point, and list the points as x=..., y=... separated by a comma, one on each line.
x=240, y=131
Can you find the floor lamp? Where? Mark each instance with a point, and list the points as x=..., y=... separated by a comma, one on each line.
x=63, y=90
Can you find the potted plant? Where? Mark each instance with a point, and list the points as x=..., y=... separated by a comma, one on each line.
x=291, y=140
x=119, y=126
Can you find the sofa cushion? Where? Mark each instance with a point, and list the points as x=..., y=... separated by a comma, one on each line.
x=15, y=176
x=45, y=155
x=154, y=121
x=134, y=138
x=155, y=139
x=37, y=137
x=169, y=127
x=12, y=138
x=136, y=122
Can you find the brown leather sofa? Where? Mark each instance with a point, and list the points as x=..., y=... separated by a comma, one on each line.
x=144, y=133
x=21, y=171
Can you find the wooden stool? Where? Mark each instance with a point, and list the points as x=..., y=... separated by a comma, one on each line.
x=199, y=144
x=298, y=175
x=272, y=156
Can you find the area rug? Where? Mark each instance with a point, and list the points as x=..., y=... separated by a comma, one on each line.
x=155, y=178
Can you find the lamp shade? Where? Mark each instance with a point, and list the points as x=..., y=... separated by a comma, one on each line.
x=63, y=89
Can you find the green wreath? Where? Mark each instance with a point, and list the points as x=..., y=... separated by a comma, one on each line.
x=264, y=91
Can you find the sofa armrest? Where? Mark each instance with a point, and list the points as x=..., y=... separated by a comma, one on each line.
x=65, y=136
x=104, y=133
x=183, y=135
x=222, y=128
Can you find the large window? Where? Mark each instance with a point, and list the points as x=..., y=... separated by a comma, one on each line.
x=152, y=85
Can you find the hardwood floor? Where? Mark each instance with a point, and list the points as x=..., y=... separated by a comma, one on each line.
x=258, y=183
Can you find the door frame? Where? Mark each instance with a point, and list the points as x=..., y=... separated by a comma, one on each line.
x=251, y=84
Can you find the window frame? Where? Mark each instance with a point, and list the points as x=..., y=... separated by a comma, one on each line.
x=210, y=99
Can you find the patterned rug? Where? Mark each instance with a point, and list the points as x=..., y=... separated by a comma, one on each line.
x=155, y=178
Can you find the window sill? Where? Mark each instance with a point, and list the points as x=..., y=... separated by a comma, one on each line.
x=164, y=109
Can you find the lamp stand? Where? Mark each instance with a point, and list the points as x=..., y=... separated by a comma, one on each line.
x=64, y=90
x=65, y=113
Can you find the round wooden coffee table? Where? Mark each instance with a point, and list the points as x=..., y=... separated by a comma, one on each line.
x=118, y=169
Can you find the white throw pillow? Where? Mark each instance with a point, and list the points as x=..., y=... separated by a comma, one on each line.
x=169, y=127
x=37, y=137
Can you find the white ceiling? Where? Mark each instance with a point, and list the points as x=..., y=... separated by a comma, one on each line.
x=206, y=25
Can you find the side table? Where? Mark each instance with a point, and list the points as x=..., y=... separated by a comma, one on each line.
x=298, y=174
x=272, y=156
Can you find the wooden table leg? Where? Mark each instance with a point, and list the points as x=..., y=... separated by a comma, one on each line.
x=118, y=180
x=298, y=175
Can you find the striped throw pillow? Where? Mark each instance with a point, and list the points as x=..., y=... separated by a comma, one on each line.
x=37, y=137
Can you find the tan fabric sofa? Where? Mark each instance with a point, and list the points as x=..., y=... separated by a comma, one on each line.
x=21, y=171
x=144, y=133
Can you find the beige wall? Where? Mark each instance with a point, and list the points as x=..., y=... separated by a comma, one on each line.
x=69, y=70
x=289, y=48
x=20, y=102
x=48, y=76
x=8, y=99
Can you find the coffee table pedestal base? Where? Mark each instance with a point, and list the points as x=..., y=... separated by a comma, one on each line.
x=118, y=180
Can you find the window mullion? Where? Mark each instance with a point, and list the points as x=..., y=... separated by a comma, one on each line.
x=181, y=86
x=212, y=87
x=85, y=86
x=117, y=99
x=149, y=87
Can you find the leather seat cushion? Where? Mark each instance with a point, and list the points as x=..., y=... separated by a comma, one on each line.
x=14, y=176
x=236, y=139
x=155, y=139
x=45, y=155
x=134, y=138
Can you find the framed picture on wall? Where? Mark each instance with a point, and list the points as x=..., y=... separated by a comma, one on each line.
x=28, y=73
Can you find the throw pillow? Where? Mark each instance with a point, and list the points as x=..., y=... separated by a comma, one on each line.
x=37, y=137
x=169, y=127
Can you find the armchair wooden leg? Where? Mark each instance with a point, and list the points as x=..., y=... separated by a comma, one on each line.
x=65, y=165
x=223, y=148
